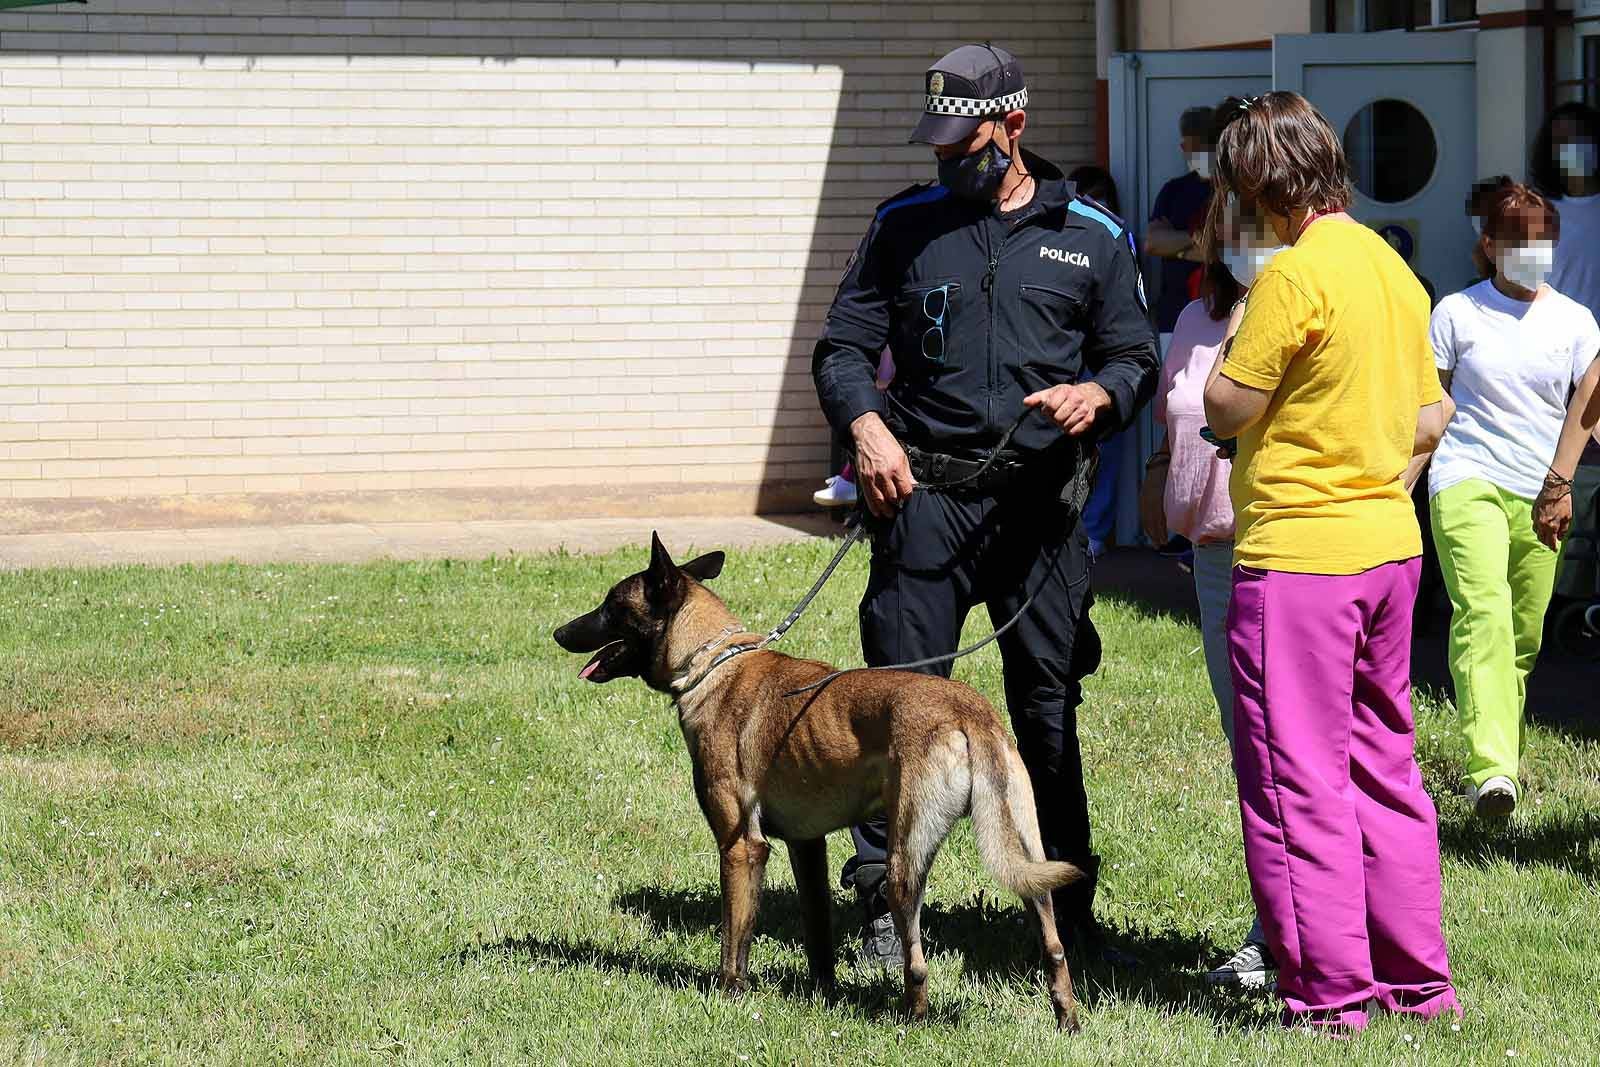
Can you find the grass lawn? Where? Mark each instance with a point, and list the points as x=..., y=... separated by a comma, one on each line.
x=371, y=815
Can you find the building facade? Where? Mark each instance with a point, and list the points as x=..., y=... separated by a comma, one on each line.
x=364, y=258
x=302, y=259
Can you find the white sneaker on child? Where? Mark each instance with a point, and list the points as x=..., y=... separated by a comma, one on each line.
x=837, y=493
x=1252, y=967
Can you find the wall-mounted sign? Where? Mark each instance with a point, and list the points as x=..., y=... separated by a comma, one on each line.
x=1401, y=235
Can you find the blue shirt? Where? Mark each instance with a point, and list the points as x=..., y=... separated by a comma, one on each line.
x=1181, y=204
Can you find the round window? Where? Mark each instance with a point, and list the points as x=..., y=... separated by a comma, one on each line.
x=1391, y=149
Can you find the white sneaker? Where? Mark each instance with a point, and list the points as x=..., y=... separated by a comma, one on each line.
x=839, y=492
x=1252, y=967
x=1494, y=799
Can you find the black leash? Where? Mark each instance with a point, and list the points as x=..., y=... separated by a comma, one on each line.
x=858, y=526
x=948, y=657
x=1076, y=495
x=859, y=522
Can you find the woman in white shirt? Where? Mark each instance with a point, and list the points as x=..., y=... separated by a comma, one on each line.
x=1565, y=167
x=1511, y=351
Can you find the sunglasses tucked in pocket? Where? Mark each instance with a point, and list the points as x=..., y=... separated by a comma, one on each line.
x=925, y=314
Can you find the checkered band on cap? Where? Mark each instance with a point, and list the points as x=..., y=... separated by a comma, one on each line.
x=958, y=105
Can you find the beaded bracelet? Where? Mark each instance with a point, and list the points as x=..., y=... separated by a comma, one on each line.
x=1555, y=487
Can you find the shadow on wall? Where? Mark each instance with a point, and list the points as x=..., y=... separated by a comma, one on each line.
x=879, y=50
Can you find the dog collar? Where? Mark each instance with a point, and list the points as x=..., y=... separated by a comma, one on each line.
x=718, y=660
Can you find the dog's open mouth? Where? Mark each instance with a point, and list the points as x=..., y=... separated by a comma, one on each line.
x=603, y=665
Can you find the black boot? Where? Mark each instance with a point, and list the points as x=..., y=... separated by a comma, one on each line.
x=881, y=949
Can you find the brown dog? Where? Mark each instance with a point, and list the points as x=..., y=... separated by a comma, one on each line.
x=925, y=750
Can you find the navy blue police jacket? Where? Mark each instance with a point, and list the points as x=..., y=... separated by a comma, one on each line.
x=1046, y=295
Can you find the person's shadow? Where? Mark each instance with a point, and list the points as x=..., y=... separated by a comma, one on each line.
x=993, y=939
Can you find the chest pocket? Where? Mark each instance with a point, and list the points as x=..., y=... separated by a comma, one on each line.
x=925, y=316
x=1051, y=310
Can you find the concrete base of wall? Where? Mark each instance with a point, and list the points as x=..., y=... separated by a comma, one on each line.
x=76, y=515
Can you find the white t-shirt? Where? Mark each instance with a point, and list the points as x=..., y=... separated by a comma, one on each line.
x=1577, y=270
x=1513, y=366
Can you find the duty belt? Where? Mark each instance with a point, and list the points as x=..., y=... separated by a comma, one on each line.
x=937, y=469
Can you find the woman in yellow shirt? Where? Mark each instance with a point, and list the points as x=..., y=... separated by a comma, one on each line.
x=1329, y=387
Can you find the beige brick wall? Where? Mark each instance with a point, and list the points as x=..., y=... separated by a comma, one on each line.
x=297, y=246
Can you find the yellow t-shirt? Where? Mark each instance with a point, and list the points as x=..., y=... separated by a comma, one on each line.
x=1336, y=328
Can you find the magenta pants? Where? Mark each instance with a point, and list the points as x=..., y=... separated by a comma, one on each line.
x=1340, y=839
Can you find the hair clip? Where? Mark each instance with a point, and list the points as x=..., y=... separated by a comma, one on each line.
x=1248, y=102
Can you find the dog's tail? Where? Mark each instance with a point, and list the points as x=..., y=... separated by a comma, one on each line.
x=1006, y=823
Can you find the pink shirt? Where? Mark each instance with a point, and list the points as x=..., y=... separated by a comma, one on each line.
x=1197, y=503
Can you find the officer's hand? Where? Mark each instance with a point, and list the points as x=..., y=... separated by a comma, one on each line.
x=1075, y=408
x=882, y=472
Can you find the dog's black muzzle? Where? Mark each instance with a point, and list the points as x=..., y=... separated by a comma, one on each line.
x=586, y=633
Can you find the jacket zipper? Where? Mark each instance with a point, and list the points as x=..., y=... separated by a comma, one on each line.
x=988, y=288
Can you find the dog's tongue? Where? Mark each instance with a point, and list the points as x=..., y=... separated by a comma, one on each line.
x=593, y=667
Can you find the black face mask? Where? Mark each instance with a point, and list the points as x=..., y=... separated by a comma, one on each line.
x=976, y=176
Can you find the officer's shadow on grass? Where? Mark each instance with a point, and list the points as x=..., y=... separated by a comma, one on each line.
x=993, y=940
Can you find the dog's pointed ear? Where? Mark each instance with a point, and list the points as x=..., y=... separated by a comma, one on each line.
x=705, y=567
x=662, y=574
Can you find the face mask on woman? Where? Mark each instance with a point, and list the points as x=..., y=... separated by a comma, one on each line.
x=1577, y=159
x=1526, y=265
x=1247, y=262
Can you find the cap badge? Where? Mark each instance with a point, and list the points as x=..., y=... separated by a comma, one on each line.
x=936, y=84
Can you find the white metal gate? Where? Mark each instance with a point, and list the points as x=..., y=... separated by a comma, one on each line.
x=1404, y=103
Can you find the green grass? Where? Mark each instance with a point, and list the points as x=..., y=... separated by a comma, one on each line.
x=371, y=815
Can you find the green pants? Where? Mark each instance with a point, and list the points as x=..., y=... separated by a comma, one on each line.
x=1499, y=578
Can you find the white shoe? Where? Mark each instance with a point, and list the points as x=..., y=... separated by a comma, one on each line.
x=839, y=492
x=1252, y=967
x=1494, y=799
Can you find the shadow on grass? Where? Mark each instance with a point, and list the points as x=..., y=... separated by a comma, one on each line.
x=994, y=940
x=1569, y=842
x=871, y=997
x=1153, y=587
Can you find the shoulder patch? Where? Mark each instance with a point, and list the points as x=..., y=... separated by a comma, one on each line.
x=1086, y=208
x=917, y=194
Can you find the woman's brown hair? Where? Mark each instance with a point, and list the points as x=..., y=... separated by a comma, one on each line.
x=1218, y=287
x=1277, y=151
x=1508, y=212
x=1479, y=199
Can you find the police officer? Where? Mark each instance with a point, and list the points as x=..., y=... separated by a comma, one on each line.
x=998, y=289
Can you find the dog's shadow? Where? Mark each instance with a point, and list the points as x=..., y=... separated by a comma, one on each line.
x=872, y=999
x=994, y=939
